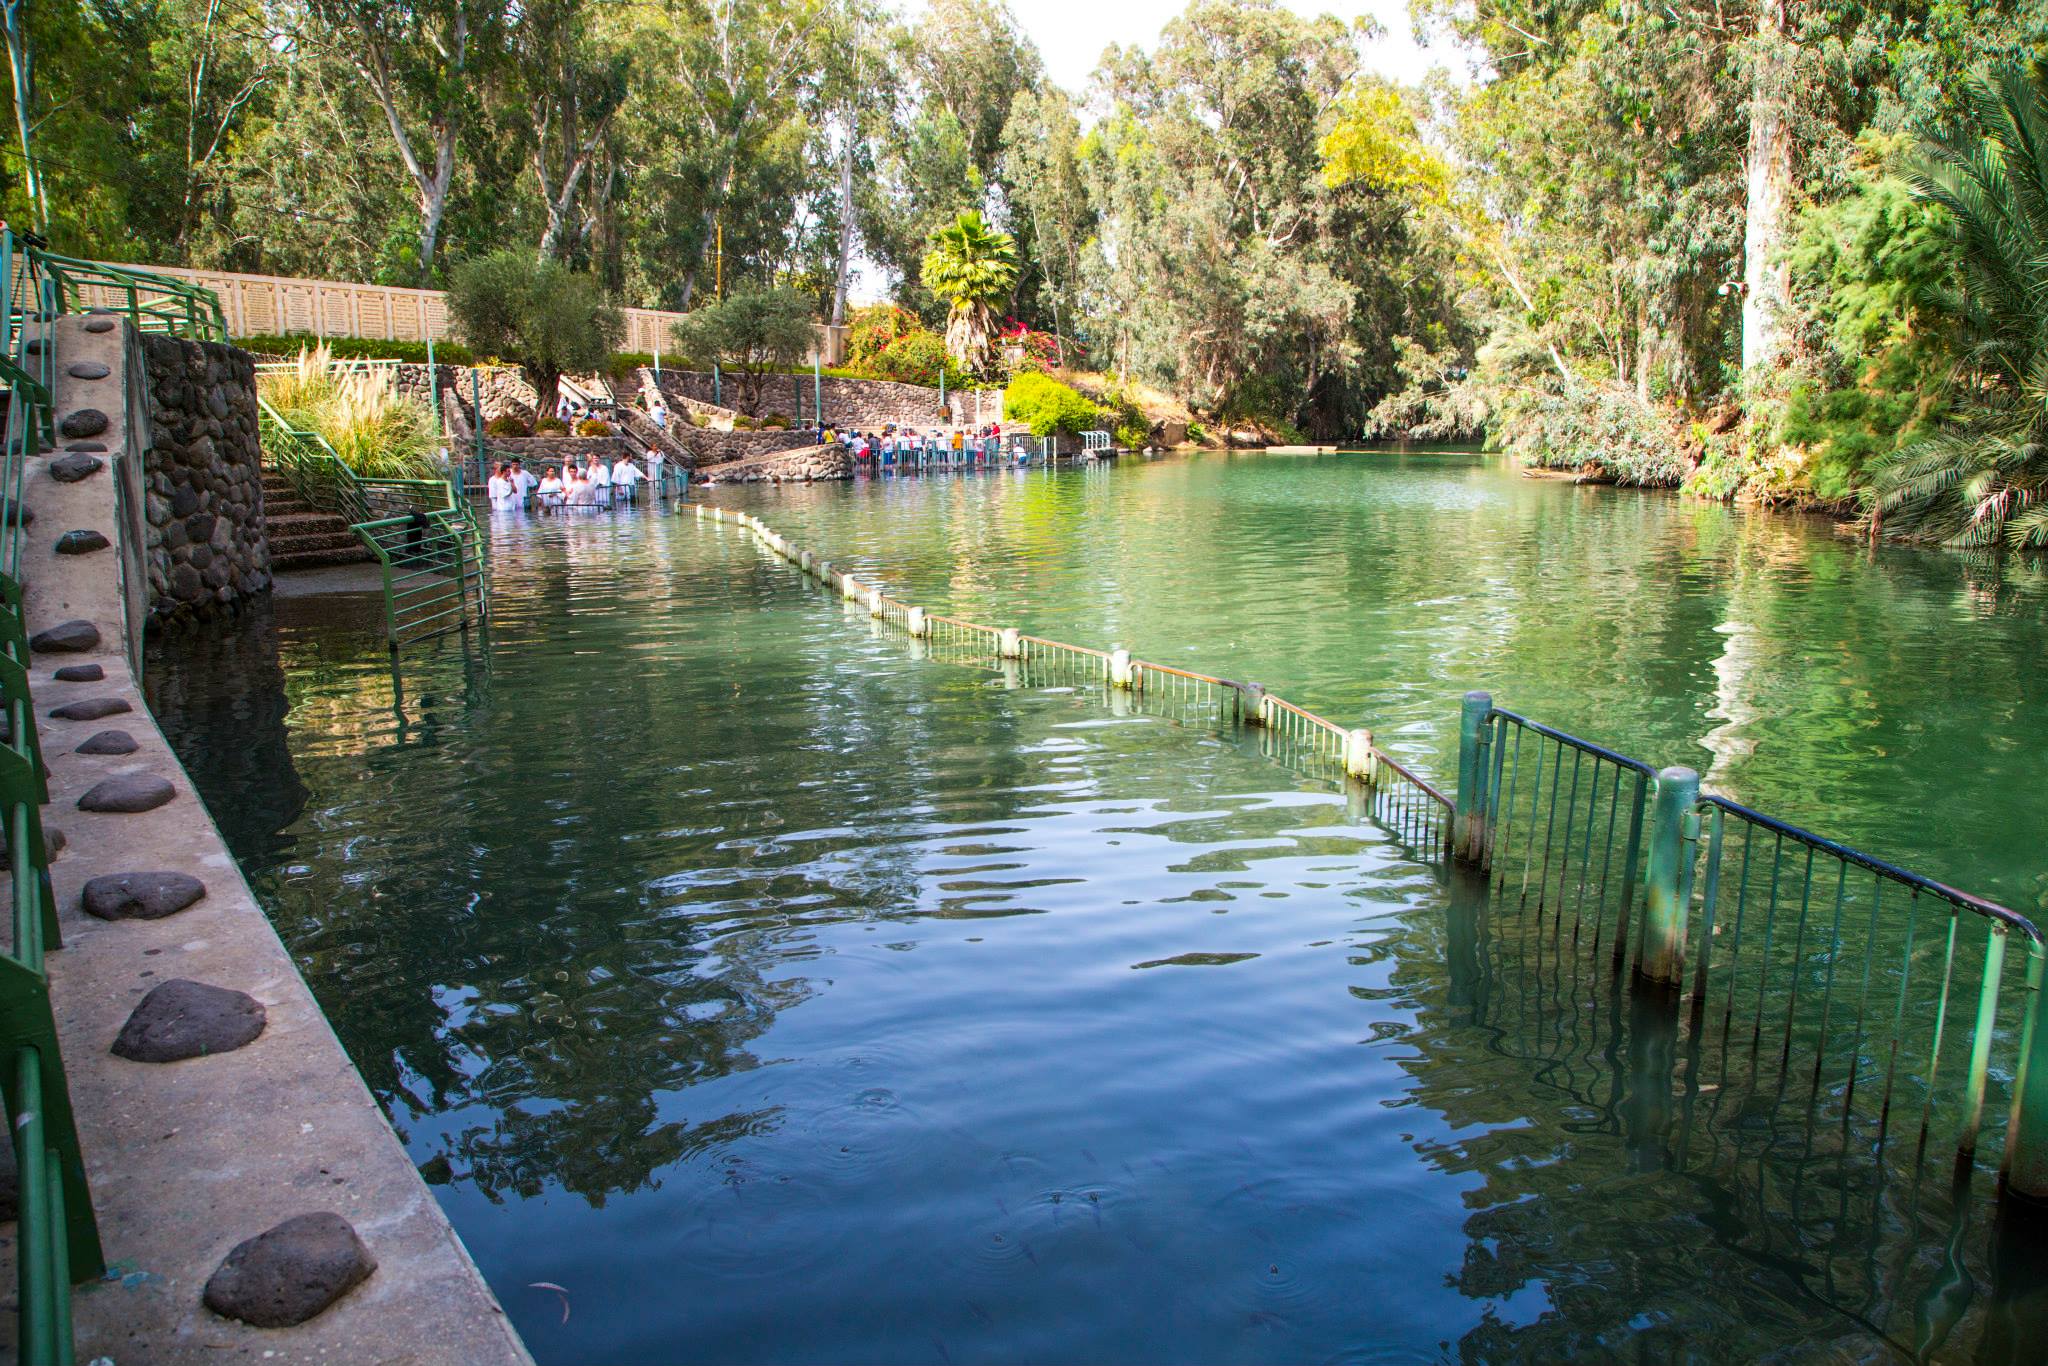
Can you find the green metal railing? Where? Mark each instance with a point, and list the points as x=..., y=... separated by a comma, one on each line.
x=1873, y=991
x=152, y=302
x=1394, y=795
x=57, y=1239
x=425, y=536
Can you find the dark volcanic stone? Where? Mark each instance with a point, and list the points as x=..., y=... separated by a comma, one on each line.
x=91, y=709
x=141, y=896
x=184, y=502
x=127, y=794
x=110, y=742
x=20, y=515
x=184, y=1019
x=99, y=325
x=69, y=469
x=86, y=369
x=87, y=446
x=289, y=1274
x=67, y=637
x=82, y=422
x=79, y=673
x=80, y=542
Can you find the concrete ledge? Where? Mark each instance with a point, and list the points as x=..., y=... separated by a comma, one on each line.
x=187, y=1159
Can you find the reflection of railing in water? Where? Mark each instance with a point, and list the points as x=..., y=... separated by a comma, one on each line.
x=1876, y=991
x=1415, y=811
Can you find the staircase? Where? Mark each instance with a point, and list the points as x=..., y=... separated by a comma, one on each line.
x=302, y=537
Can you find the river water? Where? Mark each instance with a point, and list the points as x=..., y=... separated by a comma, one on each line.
x=788, y=997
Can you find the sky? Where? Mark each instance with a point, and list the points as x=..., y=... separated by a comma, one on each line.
x=1071, y=34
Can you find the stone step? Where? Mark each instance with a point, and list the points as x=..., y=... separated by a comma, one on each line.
x=292, y=523
x=285, y=563
x=319, y=540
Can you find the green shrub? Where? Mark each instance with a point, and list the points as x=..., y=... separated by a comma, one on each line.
x=776, y=422
x=508, y=425
x=700, y=419
x=1048, y=406
x=919, y=358
x=1198, y=434
x=621, y=364
x=551, y=426
x=593, y=426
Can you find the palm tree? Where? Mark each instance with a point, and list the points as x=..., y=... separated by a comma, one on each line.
x=1983, y=481
x=973, y=268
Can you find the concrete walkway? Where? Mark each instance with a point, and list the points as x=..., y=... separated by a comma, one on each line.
x=189, y=1158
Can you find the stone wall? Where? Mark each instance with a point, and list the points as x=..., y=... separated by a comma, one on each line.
x=858, y=403
x=203, y=478
x=808, y=465
x=713, y=447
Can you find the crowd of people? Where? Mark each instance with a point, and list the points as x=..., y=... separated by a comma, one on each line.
x=894, y=445
x=569, y=486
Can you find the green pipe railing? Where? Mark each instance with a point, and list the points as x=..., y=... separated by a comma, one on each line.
x=426, y=538
x=1866, y=985
x=151, y=302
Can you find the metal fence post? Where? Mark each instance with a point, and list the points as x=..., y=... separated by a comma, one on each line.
x=1468, y=820
x=2026, y=1136
x=1661, y=954
x=476, y=414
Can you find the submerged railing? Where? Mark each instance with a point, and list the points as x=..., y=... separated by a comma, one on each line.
x=1892, y=1000
x=425, y=536
x=1415, y=811
x=1885, y=995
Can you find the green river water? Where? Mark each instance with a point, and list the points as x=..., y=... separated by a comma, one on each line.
x=788, y=997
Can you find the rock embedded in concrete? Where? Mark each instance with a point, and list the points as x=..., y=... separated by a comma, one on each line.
x=79, y=673
x=91, y=709
x=82, y=542
x=69, y=469
x=185, y=1019
x=19, y=513
x=87, y=369
x=141, y=896
x=99, y=325
x=99, y=447
x=289, y=1274
x=68, y=637
x=127, y=794
x=82, y=422
x=110, y=742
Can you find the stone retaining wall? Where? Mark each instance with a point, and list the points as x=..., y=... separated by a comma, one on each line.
x=203, y=478
x=713, y=447
x=857, y=403
x=805, y=466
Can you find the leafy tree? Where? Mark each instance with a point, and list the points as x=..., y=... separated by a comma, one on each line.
x=549, y=320
x=972, y=268
x=750, y=334
x=1983, y=479
x=424, y=62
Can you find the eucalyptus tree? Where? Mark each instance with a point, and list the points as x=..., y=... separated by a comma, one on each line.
x=568, y=80
x=425, y=63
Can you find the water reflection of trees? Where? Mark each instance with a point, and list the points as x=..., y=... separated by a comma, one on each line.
x=538, y=910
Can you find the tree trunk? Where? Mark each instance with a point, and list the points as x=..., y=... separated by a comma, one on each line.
x=845, y=228
x=547, y=386
x=1767, y=279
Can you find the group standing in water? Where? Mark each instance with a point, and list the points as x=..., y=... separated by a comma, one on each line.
x=593, y=484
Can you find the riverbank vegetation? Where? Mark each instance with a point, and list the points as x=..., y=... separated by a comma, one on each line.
x=1678, y=245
